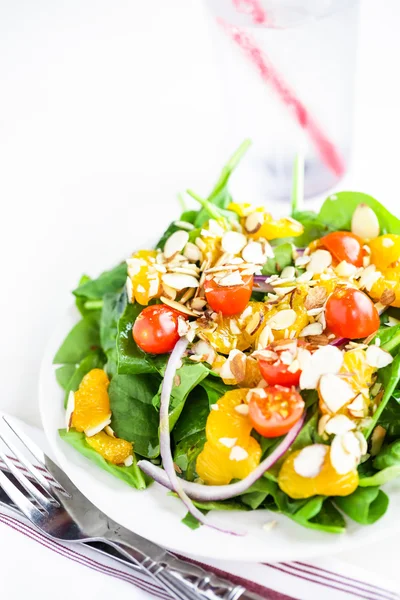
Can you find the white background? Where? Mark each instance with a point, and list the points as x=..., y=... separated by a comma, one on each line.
x=107, y=109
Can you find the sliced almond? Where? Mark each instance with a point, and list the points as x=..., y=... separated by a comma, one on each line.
x=345, y=269
x=377, y=357
x=183, y=326
x=128, y=462
x=169, y=292
x=175, y=243
x=322, y=424
x=200, y=244
x=233, y=242
x=269, y=355
x=253, y=253
x=205, y=350
x=288, y=273
x=238, y=367
x=259, y=392
x=318, y=340
x=232, y=279
x=377, y=438
x=266, y=337
x=335, y=392
x=254, y=222
x=227, y=442
x=339, y=424
x=255, y=323
x=362, y=442
x=308, y=463
x=388, y=297
x=129, y=290
x=319, y=261
x=342, y=461
x=315, y=298
x=238, y=453
x=198, y=303
x=364, y=222
x=69, y=411
x=91, y=431
x=242, y=409
x=177, y=306
x=283, y=319
x=192, y=252
x=311, y=329
x=328, y=359
x=305, y=277
x=187, y=296
x=294, y=366
x=184, y=225
x=368, y=277
x=109, y=431
x=179, y=281
x=302, y=261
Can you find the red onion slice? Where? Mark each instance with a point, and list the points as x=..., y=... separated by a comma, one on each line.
x=211, y=493
x=175, y=484
x=261, y=284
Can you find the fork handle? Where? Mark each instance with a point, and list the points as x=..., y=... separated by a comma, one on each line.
x=184, y=580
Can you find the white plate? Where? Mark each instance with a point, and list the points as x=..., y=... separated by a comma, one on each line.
x=156, y=516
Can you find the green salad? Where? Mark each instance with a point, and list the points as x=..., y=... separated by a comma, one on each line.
x=246, y=362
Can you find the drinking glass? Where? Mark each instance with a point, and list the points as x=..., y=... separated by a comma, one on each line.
x=288, y=70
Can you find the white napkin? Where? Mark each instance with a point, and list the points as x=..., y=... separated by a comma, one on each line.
x=322, y=579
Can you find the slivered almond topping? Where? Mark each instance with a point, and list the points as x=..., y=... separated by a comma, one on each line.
x=255, y=323
x=345, y=269
x=184, y=225
x=294, y=366
x=129, y=290
x=198, y=303
x=169, y=292
x=90, y=431
x=377, y=438
x=238, y=453
x=343, y=461
x=233, y=242
x=179, y=281
x=318, y=340
x=242, y=409
x=254, y=222
x=232, y=279
x=177, y=306
x=315, y=298
x=193, y=252
x=177, y=381
x=259, y=392
x=266, y=355
x=109, y=431
x=305, y=277
x=183, y=326
x=283, y=319
x=266, y=337
x=235, y=329
x=175, y=243
x=335, y=391
x=339, y=424
x=200, y=244
x=308, y=463
x=288, y=273
x=368, y=277
x=187, y=296
x=69, y=409
x=327, y=359
x=364, y=222
x=388, y=297
x=128, y=462
x=238, y=367
x=377, y=357
x=312, y=329
x=301, y=261
x=319, y=261
x=253, y=253
x=227, y=442
x=322, y=424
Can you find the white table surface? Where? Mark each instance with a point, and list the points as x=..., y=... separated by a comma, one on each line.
x=107, y=109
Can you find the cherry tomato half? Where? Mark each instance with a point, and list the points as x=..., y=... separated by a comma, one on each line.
x=156, y=329
x=276, y=371
x=229, y=300
x=351, y=314
x=275, y=414
x=344, y=245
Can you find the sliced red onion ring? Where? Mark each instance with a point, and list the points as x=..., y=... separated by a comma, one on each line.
x=261, y=284
x=211, y=493
x=175, y=484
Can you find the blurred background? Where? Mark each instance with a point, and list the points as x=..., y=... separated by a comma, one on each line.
x=107, y=110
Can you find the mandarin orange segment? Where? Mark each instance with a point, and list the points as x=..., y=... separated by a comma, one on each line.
x=389, y=282
x=145, y=278
x=92, y=404
x=359, y=372
x=385, y=251
x=113, y=449
x=295, y=302
x=327, y=483
x=230, y=452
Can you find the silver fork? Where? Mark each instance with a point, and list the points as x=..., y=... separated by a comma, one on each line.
x=62, y=512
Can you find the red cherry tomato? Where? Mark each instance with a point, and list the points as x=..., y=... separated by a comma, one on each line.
x=351, y=314
x=276, y=412
x=344, y=245
x=229, y=300
x=156, y=329
x=274, y=370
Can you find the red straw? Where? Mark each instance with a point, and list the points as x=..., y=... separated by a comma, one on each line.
x=254, y=8
x=326, y=149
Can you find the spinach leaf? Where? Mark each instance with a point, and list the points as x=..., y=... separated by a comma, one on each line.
x=319, y=513
x=172, y=228
x=80, y=301
x=366, y=505
x=93, y=360
x=194, y=415
x=205, y=507
x=108, y=282
x=134, y=418
x=186, y=453
x=113, y=306
x=186, y=379
x=189, y=216
x=131, y=359
x=190, y=521
x=64, y=374
x=381, y=477
x=389, y=456
x=131, y=475
x=211, y=211
x=390, y=417
x=215, y=388
x=389, y=377
x=338, y=209
x=314, y=228
x=83, y=337
x=283, y=257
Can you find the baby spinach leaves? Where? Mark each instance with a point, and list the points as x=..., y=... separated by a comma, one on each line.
x=366, y=505
x=83, y=337
x=283, y=257
x=108, y=282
